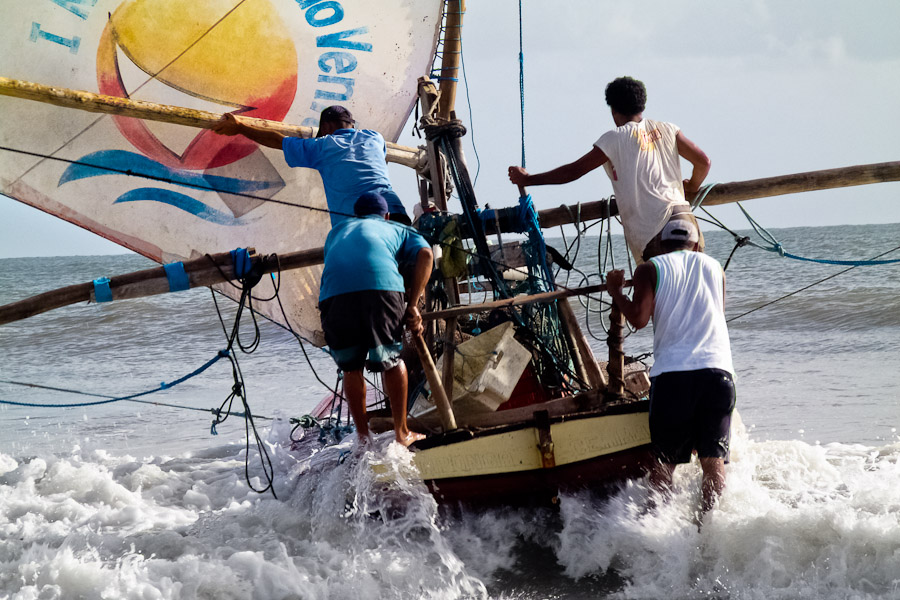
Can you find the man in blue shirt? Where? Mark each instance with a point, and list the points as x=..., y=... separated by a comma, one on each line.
x=364, y=308
x=350, y=161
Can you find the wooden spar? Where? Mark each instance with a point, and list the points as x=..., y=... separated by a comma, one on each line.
x=450, y=61
x=126, y=107
x=448, y=420
x=201, y=272
x=468, y=309
x=737, y=191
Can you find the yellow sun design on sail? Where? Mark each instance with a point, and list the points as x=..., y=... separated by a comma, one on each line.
x=235, y=53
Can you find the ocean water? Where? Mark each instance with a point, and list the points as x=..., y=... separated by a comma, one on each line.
x=139, y=500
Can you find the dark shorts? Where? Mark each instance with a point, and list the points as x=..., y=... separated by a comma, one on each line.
x=691, y=410
x=364, y=329
x=396, y=210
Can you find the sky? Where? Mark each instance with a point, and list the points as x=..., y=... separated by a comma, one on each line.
x=764, y=87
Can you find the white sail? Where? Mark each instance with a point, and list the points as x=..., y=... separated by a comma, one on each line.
x=276, y=59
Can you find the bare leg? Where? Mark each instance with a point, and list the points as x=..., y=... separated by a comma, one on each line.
x=355, y=390
x=395, y=384
x=713, y=481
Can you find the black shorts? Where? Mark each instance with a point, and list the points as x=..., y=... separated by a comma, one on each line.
x=364, y=329
x=691, y=410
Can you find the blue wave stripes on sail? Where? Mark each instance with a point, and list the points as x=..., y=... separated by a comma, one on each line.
x=181, y=201
x=122, y=162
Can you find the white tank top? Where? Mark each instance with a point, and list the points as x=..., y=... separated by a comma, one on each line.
x=689, y=330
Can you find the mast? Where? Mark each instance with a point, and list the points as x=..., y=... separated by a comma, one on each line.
x=450, y=61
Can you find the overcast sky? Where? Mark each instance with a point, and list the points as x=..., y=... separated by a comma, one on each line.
x=765, y=87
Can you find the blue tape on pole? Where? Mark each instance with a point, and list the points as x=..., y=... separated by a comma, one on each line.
x=178, y=279
x=102, y=293
x=242, y=263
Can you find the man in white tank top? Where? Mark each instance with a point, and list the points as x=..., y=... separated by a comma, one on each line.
x=692, y=379
x=643, y=160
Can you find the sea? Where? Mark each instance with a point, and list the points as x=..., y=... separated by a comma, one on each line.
x=138, y=499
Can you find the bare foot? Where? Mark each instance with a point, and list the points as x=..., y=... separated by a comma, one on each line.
x=409, y=438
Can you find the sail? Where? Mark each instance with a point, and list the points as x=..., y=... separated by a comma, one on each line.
x=274, y=59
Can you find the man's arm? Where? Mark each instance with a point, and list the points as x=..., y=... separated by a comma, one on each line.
x=420, y=276
x=564, y=174
x=639, y=309
x=231, y=126
x=694, y=155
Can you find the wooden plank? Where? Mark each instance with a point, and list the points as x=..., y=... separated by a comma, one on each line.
x=126, y=107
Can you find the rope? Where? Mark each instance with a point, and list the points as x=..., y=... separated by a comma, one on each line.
x=111, y=399
x=522, y=83
x=804, y=288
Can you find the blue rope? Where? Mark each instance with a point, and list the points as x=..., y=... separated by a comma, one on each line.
x=162, y=386
x=779, y=249
x=522, y=82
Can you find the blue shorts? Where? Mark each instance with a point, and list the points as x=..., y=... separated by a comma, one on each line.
x=364, y=329
x=396, y=210
x=691, y=410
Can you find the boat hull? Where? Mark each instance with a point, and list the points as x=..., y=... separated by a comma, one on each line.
x=532, y=462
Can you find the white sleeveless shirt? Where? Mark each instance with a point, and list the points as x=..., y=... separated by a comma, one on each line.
x=689, y=330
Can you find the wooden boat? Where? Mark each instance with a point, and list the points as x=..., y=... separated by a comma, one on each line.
x=585, y=426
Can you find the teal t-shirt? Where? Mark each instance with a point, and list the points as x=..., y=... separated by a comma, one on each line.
x=350, y=161
x=366, y=254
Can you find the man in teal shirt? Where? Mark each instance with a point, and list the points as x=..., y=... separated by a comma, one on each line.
x=351, y=161
x=364, y=304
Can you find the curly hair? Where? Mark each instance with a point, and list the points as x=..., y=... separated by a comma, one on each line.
x=626, y=95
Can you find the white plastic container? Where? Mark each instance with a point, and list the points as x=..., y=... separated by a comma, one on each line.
x=486, y=369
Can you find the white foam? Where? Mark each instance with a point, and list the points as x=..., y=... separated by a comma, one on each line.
x=796, y=521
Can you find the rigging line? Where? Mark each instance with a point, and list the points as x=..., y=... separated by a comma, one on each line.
x=81, y=393
x=131, y=173
x=522, y=83
x=832, y=276
x=138, y=88
x=462, y=58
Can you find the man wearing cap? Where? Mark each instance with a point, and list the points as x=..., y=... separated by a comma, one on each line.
x=363, y=306
x=350, y=161
x=641, y=157
x=692, y=379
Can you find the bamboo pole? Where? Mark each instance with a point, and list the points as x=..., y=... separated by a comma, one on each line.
x=737, y=191
x=201, y=272
x=448, y=420
x=595, y=376
x=468, y=309
x=450, y=61
x=164, y=113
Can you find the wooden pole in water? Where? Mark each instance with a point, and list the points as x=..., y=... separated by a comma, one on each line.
x=164, y=113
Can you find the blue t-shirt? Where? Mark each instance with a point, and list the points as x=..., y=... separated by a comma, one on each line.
x=365, y=254
x=350, y=161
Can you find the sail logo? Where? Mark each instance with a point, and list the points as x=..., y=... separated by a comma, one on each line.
x=196, y=56
x=334, y=83
x=283, y=60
